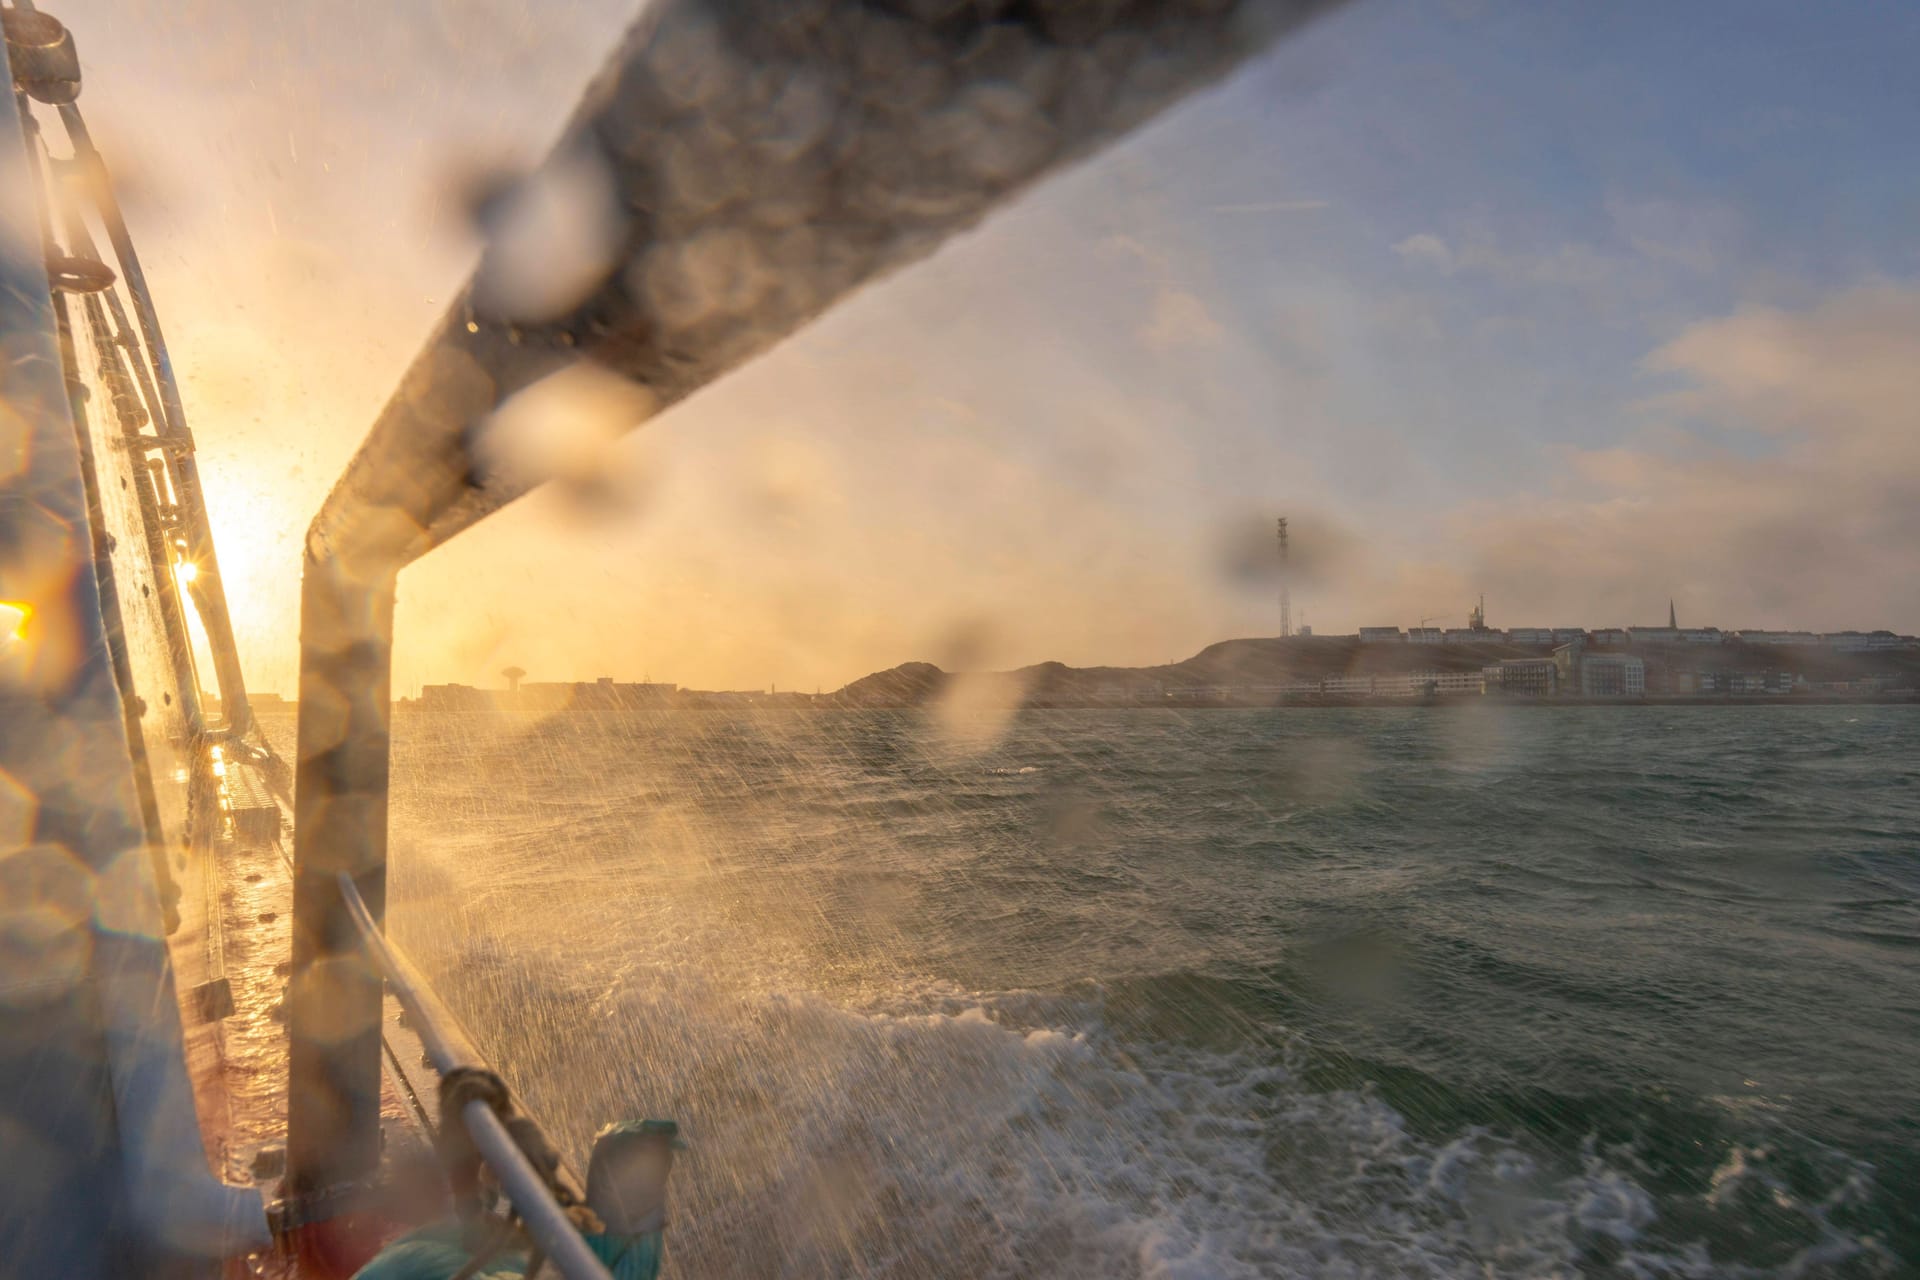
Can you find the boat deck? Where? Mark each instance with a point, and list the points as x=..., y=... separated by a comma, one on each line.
x=231, y=956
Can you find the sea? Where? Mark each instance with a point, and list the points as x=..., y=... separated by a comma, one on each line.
x=1443, y=991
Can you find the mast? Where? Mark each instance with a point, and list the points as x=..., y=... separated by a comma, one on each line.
x=1286, y=603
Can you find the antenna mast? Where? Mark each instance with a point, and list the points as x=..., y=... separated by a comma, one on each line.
x=1286, y=604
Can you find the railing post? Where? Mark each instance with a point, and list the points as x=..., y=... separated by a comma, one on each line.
x=340, y=807
x=861, y=166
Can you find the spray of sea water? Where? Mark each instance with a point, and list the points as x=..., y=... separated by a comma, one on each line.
x=1227, y=994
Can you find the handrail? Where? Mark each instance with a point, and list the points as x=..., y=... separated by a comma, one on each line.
x=760, y=168
x=449, y=1050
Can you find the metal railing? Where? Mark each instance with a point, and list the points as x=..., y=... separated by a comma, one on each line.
x=818, y=148
x=449, y=1050
x=94, y=1079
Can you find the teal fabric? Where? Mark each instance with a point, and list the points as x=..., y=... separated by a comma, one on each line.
x=629, y=1257
x=665, y=1129
x=435, y=1252
x=438, y=1252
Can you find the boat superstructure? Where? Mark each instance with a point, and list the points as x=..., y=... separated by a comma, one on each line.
x=765, y=158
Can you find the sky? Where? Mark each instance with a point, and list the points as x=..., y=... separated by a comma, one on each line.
x=1582, y=307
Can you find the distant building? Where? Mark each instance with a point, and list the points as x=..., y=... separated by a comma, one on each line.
x=1416, y=684
x=1530, y=635
x=604, y=694
x=1599, y=675
x=1734, y=682
x=455, y=697
x=1473, y=635
x=1567, y=635
x=1381, y=635
x=1778, y=637
x=1866, y=641
x=1566, y=663
x=1522, y=677
x=544, y=696
x=1699, y=635
x=1347, y=685
x=1653, y=635
x=1612, y=675
x=1614, y=636
x=1425, y=635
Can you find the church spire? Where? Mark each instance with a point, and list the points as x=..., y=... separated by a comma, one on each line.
x=1673, y=619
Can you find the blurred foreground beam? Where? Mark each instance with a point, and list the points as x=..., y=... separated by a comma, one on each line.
x=739, y=166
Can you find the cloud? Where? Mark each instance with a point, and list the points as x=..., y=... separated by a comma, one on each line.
x=1426, y=250
x=1180, y=319
x=1820, y=527
x=1569, y=264
x=1844, y=371
x=1694, y=235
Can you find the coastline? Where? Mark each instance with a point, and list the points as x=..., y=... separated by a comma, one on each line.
x=826, y=703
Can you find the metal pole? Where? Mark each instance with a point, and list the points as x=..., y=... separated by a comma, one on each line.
x=441, y=1035
x=208, y=585
x=448, y=1047
x=340, y=828
x=765, y=159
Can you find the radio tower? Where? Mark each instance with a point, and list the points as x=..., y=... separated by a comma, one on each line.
x=1286, y=605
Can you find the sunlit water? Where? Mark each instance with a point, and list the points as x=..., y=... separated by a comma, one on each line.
x=1323, y=993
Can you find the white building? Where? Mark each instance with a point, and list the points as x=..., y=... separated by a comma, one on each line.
x=1612, y=675
x=1347, y=684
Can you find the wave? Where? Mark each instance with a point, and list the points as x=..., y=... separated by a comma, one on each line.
x=927, y=1131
